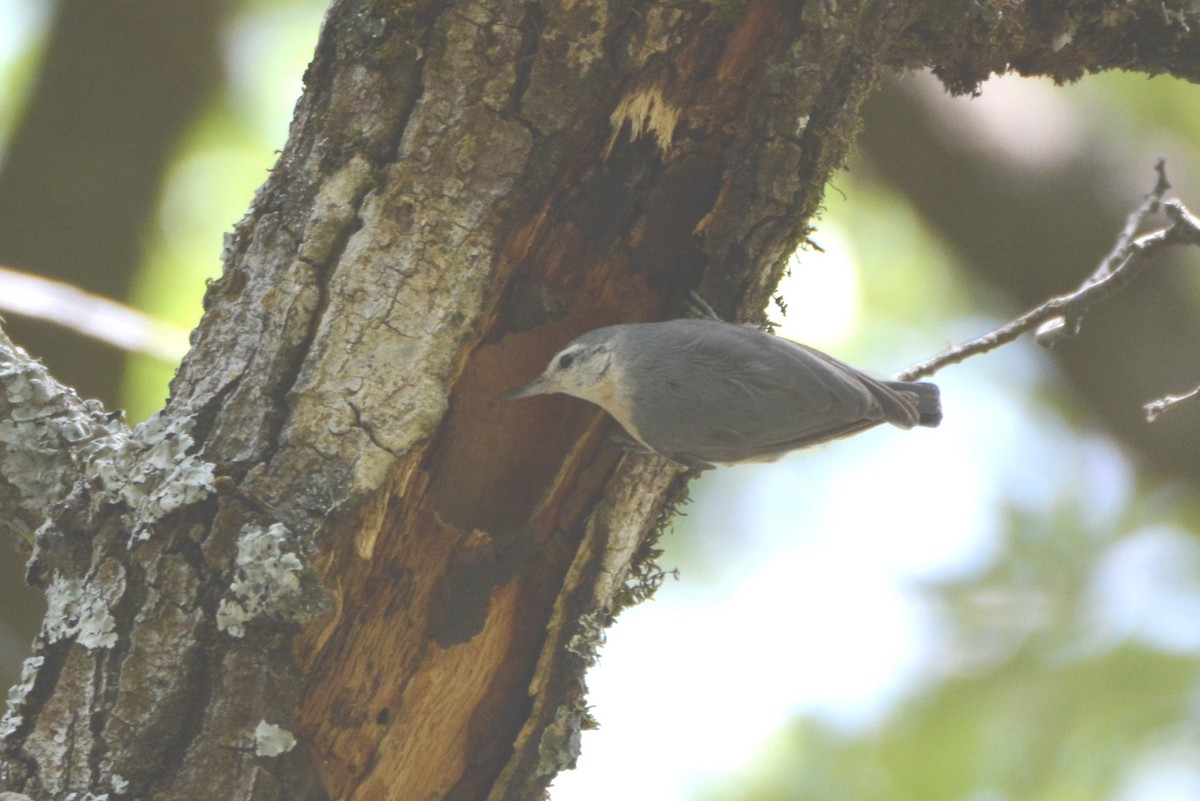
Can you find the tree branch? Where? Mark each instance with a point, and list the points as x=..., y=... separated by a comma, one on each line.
x=1155, y=408
x=1062, y=317
x=47, y=437
x=91, y=315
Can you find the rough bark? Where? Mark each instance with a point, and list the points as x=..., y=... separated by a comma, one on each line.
x=394, y=584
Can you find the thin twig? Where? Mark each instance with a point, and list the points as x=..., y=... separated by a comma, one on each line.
x=1061, y=317
x=1155, y=408
x=1150, y=205
x=91, y=315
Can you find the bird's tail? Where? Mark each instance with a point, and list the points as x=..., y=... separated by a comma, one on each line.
x=927, y=396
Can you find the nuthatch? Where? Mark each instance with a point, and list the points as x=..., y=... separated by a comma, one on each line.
x=705, y=392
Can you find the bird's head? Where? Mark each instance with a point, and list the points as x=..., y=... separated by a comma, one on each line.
x=582, y=369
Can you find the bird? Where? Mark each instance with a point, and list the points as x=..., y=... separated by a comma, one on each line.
x=703, y=392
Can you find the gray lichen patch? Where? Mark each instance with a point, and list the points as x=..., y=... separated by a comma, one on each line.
x=561, y=743
x=79, y=608
x=268, y=581
x=49, y=439
x=46, y=431
x=151, y=470
x=271, y=740
x=13, y=718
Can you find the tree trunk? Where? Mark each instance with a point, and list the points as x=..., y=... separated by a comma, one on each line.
x=336, y=566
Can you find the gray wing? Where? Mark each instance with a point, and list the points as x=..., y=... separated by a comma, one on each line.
x=727, y=393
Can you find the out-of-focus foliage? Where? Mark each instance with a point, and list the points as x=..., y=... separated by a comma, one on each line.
x=1078, y=729
x=20, y=53
x=1035, y=696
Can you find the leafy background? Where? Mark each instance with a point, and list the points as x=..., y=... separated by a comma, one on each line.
x=1004, y=608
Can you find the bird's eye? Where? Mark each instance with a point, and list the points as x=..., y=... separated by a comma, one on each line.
x=566, y=361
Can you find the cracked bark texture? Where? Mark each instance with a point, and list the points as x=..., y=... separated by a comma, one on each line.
x=466, y=186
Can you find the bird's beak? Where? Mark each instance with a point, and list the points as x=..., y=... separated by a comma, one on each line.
x=536, y=387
